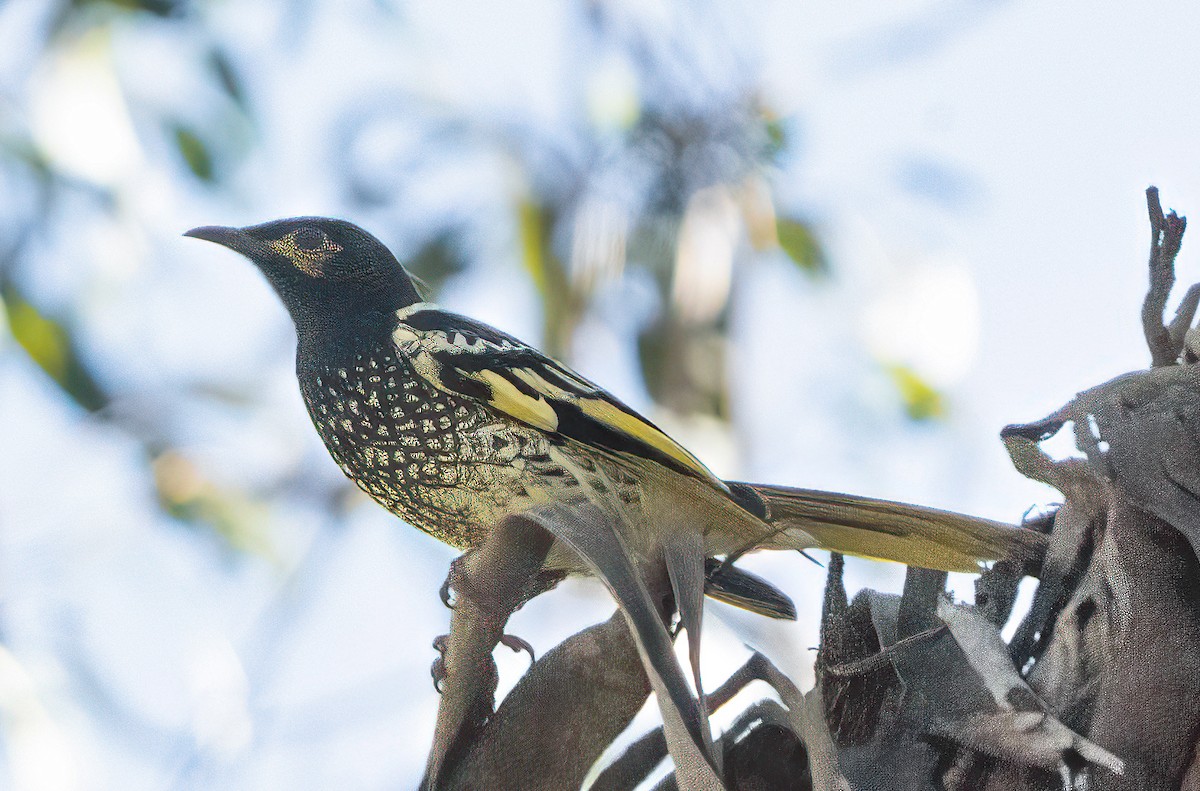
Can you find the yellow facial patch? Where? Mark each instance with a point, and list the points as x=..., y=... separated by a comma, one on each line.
x=308, y=259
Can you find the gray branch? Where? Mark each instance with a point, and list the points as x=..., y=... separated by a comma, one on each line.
x=1099, y=687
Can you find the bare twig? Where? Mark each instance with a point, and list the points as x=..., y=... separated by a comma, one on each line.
x=1166, y=235
x=632, y=766
x=1184, y=315
x=879, y=661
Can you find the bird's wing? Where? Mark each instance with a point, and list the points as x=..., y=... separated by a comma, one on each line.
x=470, y=359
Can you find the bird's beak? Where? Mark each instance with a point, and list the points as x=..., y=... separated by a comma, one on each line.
x=234, y=238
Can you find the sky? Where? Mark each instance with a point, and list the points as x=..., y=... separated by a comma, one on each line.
x=974, y=170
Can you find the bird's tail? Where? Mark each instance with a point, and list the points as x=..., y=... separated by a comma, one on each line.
x=886, y=530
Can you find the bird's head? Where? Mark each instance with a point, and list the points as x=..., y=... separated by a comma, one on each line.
x=325, y=271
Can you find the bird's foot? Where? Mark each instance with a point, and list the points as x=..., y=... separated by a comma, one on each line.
x=455, y=578
x=438, y=669
x=518, y=645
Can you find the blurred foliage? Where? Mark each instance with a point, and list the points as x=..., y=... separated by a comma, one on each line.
x=562, y=304
x=681, y=359
x=52, y=338
x=194, y=152
x=51, y=345
x=777, y=137
x=228, y=77
x=187, y=495
x=161, y=8
x=798, y=241
x=437, y=261
x=921, y=400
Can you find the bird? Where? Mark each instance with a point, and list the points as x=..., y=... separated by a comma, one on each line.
x=453, y=425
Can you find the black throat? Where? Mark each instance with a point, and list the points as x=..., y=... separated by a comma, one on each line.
x=334, y=315
x=326, y=341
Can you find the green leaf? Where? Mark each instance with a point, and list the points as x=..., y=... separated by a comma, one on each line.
x=533, y=244
x=922, y=401
x=777, y=138
x=798, y=241
x=560, y=304
x=49, y=344
x=162, y=8
x=194, y=152
x=25, y=151
x=228, y=77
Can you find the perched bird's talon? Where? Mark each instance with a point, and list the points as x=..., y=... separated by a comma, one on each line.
x=438, y=668
x=518, y=645
x=438, y=671
x=446, y=594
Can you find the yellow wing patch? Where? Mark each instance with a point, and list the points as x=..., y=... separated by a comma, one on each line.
x=617, y=418
x=531, y=378
x=507, y=398
x=611, y=415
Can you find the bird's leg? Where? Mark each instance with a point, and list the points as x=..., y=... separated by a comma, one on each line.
x=489, y=583
x=518, y=645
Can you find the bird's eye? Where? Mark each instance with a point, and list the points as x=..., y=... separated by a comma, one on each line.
x=309, y=239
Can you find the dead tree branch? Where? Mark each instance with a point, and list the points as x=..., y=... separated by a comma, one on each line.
x=1098, y=688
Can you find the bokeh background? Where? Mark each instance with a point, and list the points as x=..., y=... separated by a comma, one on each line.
x=836, y=245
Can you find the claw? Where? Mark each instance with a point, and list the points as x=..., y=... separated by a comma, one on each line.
x=438, y=668
x=446, y=594
x=518, y=645
x=438, y=671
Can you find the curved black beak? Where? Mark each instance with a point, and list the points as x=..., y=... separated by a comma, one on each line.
x=234, y=238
